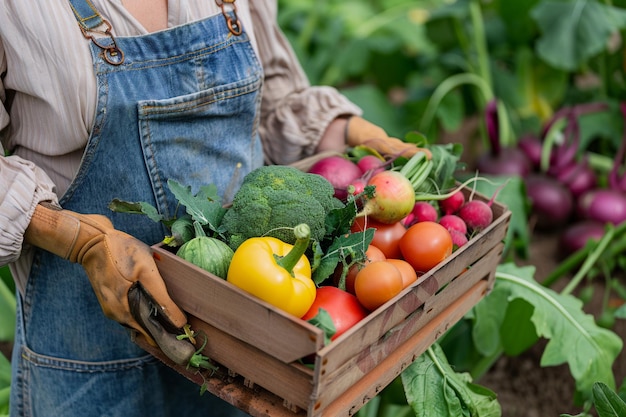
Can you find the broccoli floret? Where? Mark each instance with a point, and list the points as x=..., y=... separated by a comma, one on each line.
x=273, y=199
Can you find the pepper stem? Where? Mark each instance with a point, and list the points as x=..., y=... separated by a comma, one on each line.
x=303, y=237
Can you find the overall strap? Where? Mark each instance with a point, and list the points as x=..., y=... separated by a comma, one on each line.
x=86, y=14
x=92, y=23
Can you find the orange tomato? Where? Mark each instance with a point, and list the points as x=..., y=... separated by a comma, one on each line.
x=377, y=283
x=409, y=275
x=386, y=237
x=372, y=254
x=425, y=244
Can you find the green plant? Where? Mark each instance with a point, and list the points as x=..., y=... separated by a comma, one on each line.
x=7, y=328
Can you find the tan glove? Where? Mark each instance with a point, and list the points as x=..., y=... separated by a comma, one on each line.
x=361, y=132
x=114, y=261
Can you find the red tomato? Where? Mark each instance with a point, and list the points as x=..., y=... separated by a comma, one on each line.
x=409, y=275
x=377, y=283
x=344, y=308
x=425, y=244
x=373, y=254
x=386, y=237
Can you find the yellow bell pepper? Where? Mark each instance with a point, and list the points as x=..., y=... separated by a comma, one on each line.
x=276, y=272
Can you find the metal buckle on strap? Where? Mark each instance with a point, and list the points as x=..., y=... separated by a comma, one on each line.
x=111, y=53
x=233, y=23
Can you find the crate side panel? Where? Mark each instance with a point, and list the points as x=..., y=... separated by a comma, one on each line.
x=337, y=376
x=292, y=382
x=235, y=312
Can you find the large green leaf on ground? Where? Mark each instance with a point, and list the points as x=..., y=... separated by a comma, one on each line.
x=575, y=31
x=573, y=335
x=434, y=389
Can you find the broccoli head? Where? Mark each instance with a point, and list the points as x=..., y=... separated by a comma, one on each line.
x=273, y=199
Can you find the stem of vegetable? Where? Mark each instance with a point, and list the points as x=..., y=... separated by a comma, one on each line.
x=480, y=41
x=590, y=260
x=448, y=85
x=303, y=237
x=197, y=227
x=618, y=244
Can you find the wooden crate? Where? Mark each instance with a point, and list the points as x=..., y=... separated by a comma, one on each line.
x=258, y=346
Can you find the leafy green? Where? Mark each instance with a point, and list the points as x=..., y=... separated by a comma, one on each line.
x=434, y=389
x=575, y=31
x=345, y=249
x=607, y=402
x=574, y=337
x=129, y=207
x=323, y=321
x=7, y=306
x=205, y=206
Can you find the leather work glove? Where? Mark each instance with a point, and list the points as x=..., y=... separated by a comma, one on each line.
x=361, y=132
x=116, y=264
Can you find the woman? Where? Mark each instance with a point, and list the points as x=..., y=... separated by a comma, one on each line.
x=108, y=99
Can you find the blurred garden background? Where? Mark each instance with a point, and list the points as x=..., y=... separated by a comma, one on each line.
x=488, y=75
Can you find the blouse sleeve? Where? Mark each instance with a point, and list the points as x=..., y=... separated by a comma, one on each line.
x=22, y=186
x=294, y=114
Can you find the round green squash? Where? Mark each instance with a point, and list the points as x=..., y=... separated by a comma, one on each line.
x=208, y=253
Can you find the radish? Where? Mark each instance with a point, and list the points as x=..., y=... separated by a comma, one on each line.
x=603, y=205
x=575, y=236
x=394, y=197
x=578, y=177
x=453, y=203
x=531, y=146
x=422, y=212
x=371, y=164
x=500, y=160
x=608, y=205
x=551, y=201
x=339, y=171
x=453, y=222
x=476, y=214
x=458, y=239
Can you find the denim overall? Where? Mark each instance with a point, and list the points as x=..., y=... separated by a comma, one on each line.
x=182, y=105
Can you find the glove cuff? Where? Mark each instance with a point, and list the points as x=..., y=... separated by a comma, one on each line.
x=359, y=131
x=63, y=232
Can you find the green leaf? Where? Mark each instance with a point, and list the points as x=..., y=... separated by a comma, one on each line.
x=129, y=207
x=205, y=207
x=323, y=321
x=575, y=31
x=345, y=249
x=574, y=337
x=433, y=389
x=517, y=331
x=607, y=402
x=7, y=308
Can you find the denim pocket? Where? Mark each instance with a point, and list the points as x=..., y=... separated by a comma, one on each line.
x=201, y=138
